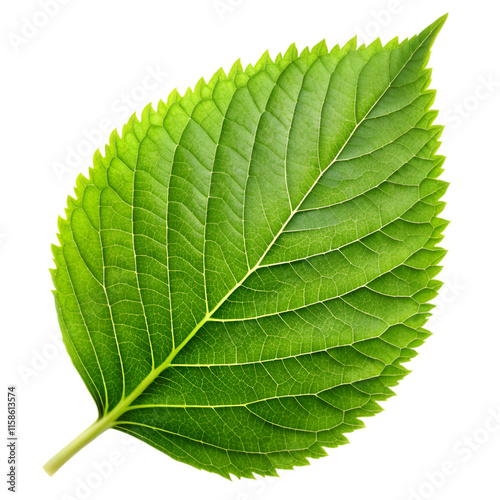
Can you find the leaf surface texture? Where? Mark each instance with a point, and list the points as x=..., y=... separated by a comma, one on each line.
x=245, y=270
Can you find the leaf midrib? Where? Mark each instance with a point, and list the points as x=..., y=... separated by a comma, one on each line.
x=123, y=405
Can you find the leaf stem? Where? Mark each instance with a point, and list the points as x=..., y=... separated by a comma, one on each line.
x=108, y=419
x=87, y=436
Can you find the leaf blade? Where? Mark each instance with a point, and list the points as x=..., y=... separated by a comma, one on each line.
x=298, y=204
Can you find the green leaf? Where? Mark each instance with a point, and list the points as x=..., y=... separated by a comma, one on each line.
x=242, y=275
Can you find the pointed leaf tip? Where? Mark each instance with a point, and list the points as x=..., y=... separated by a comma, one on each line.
x=435, y=27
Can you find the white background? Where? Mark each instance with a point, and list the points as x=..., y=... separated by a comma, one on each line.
x=60, y=81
